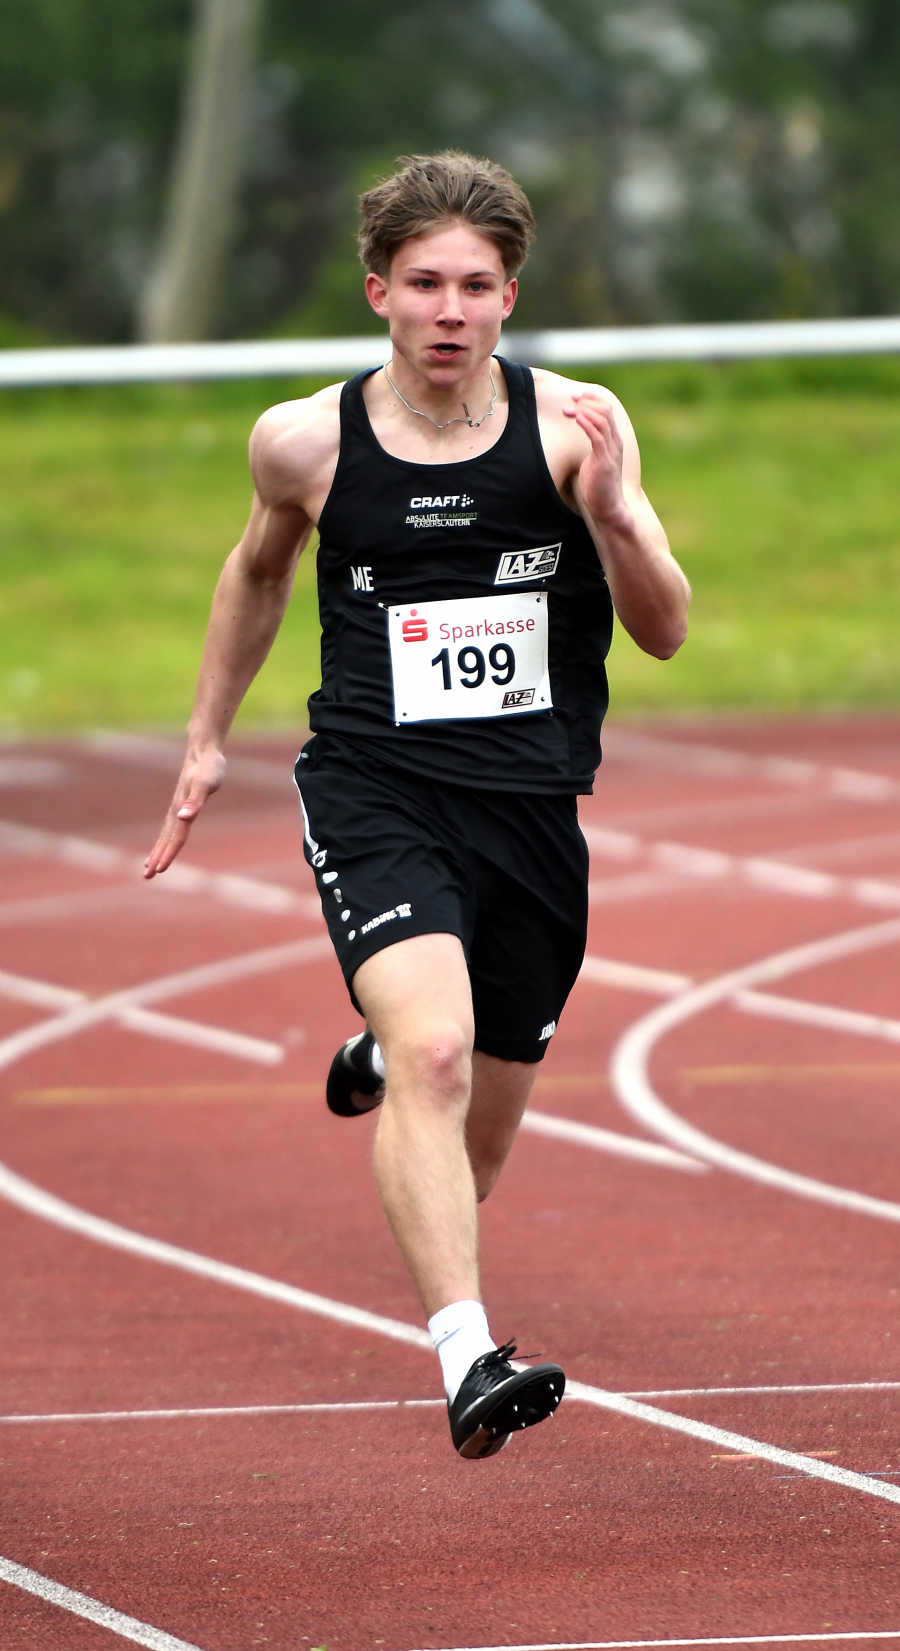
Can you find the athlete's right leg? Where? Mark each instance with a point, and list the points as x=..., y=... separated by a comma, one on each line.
x=417, y=1000
x=416, y=997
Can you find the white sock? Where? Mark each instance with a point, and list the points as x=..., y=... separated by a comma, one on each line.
x=460, y=1335
x=376, y=1061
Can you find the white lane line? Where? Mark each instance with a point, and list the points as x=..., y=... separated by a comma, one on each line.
x=602, y=971
x=49, y=908
x=803, y=1387
x=68, y=1216
x=817, y=1014
x=730, y=1639
x=633, y=977
x=265, y=774
x=224, y=1410
x=639, y=885
x=32, y=771
x=684, y=860
x=856, y=784
x=259, y=773
x=606, y=1140
x=45, y=1205
x=630, y=1079
x=804, y=1465
x=417, y=1404
x=173, y=1029
x=205, y=976
x=43, y=994
x=81, y=1605
x=106, y=861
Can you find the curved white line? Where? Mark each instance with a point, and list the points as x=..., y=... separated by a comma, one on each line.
x=44, y=1204
x=48, y=1207
x=62, y=1214
x=630, y=1080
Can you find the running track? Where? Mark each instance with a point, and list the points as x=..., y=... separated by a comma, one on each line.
x=218, y=1425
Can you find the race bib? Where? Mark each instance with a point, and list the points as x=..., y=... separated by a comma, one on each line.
x=483, y=656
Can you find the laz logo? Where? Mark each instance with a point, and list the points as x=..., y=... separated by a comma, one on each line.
x=516, y=697
x=415, y=628
x=518, y=565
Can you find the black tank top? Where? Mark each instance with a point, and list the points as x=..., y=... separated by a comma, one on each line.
x=454, y=693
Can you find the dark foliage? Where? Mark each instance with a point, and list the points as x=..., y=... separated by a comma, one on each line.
x=695, y=158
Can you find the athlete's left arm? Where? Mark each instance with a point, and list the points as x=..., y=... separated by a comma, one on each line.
x=650, y=593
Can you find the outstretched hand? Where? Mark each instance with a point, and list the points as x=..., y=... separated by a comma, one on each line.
x=600, y=476
x=201, y=775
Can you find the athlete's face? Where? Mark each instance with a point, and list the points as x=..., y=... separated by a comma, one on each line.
x=445, y=298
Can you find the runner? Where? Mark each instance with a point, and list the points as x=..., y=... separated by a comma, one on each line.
x=478, y=523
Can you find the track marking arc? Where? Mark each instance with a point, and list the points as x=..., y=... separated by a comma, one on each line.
x=82, y=1605
x=630, y=1080
x=56, y=1210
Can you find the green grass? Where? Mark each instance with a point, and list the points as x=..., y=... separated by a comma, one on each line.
x=778, y=484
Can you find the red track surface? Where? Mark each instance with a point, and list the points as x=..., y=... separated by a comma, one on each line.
x=359, y=1528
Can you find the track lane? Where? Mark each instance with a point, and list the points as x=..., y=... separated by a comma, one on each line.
x=636, y=1221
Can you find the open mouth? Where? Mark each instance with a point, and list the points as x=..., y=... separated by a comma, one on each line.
x=448, y=350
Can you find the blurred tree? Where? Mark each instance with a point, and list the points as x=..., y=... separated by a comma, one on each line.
x=182, y=296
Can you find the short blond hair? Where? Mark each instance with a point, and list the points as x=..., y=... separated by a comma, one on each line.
x=447, y=188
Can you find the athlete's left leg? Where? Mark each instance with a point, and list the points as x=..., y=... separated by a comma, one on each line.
x=500, y=1093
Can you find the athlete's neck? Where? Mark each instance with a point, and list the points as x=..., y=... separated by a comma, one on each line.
x=444, y=397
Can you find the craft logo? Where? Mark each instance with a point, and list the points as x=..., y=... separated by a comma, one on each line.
x=415, y=628
x=441, y=510
x=441, y=501
x=516, y=698
x=518, y=565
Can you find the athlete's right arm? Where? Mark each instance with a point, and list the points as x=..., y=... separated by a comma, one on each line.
x=290, y=456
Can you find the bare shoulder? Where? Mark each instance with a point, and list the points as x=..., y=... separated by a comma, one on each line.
x=553, y=392
x=294, y=447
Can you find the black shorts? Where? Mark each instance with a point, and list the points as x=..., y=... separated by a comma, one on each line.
x=395, y=856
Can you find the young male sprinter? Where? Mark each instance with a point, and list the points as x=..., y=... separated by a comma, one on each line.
x=478, y=523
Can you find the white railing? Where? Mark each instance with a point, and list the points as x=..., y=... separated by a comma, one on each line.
x=294, y=357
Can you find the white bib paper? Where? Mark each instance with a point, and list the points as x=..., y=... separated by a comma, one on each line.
x=483, y=656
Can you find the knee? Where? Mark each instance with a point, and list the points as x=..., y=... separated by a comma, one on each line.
x=435, y=1063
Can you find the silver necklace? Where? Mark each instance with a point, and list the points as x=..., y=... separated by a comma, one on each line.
x=473, y=423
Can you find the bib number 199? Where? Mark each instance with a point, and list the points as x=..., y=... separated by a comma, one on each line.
x=472, y=668
x=481, y=656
